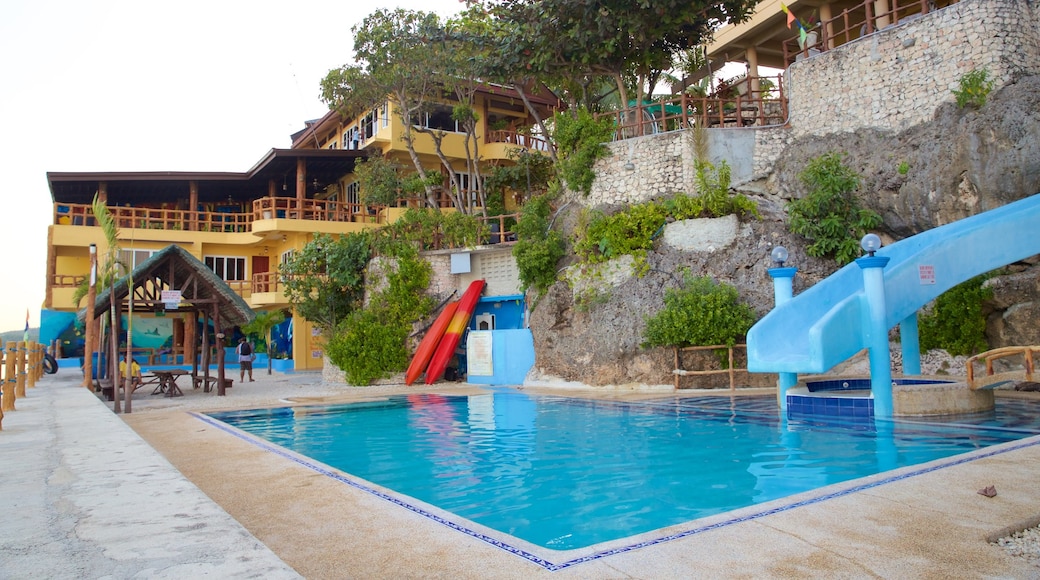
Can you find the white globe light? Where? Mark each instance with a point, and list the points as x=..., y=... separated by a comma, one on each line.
x=779, y=255
x=870, y=243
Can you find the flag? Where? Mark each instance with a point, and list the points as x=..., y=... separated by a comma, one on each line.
x=790, y=15
x=26, y=337
x=802, y=35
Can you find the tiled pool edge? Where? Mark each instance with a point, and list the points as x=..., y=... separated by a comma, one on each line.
x=752, y=514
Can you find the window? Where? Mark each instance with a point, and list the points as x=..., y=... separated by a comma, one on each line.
x=468, y=187
x=227, y=268
x=439, y=117
x=351, y=138
x=384, y=114
x=133, y=258
x=353, y=197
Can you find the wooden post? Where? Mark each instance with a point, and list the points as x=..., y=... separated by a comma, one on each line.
x=10, y=374
x=90, y=337
x=19, y=391
x=30, y=363
x=218, y=332
x=301, y=185
x=113, y=349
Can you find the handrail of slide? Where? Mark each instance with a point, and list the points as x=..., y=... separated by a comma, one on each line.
x=826, y=324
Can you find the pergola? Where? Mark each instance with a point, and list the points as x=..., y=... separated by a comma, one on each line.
x=201, y=292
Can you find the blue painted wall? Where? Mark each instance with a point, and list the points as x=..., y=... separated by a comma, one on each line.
x=508, y=311
x=512, y=356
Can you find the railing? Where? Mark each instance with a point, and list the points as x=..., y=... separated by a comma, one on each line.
x=742, y=104
x=266, y=282
x=679, y=371
x=526, y=141
x=67, y=281
x=155, y=218
x=314, y=209
x=992, y=379
x=855, y=22
x=500, y=228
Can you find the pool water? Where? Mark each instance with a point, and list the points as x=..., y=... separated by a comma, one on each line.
x=566, y=473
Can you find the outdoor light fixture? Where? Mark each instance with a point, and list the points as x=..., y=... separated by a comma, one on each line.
x=779, y=256
x=870, y=244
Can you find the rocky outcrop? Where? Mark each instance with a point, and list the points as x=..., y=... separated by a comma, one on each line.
x=962, y=163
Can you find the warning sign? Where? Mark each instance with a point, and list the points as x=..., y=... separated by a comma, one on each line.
x=478, y=354
x=926, y=274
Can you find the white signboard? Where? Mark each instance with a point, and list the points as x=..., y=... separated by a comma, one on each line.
x=478, y=354
x=926, y=274
x=171, y=299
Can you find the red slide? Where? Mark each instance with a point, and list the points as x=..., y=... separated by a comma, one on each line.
x=429, y=343
x=452, y=335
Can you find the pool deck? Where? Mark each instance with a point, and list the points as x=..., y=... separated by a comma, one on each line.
x=164, y=493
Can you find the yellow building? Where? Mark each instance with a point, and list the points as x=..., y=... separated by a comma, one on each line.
x=243, y=225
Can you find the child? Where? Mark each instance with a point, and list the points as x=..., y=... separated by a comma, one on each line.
x=135, y=372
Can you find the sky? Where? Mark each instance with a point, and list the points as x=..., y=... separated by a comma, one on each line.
x=131, y=85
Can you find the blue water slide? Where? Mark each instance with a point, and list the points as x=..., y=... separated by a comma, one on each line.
x=827, y=324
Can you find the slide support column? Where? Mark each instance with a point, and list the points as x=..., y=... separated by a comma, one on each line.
x=783, y=290
x=910, y=339
x=880, y=354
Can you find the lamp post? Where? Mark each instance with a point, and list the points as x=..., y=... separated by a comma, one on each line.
x=877, y=331
x=783, y=290
x=88, y=335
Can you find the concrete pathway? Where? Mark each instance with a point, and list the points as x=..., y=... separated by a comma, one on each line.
x=84, y=496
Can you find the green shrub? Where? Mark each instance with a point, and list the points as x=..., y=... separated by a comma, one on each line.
x=368, y=346
x=580, y=141
x=714, y=184
x=830, y=216
x=626, y=232
x=538, y=248
x=956, y=323
x=904, y=167
x=700, y=313
x=975, y=86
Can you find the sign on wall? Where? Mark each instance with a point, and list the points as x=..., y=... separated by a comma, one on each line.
x=478, y=354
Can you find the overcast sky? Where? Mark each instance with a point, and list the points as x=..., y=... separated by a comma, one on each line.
x=131, y=85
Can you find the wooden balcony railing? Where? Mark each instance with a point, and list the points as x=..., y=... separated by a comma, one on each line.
x=500, y=228
x=856, y=22
x=526, y=141
x=314, y=209
x=67, y=281
x=267, y=282
x=741, y=104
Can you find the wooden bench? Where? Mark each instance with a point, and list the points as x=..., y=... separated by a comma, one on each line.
x=208, y=383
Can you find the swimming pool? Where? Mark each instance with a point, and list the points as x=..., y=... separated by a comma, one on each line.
x=565, y=473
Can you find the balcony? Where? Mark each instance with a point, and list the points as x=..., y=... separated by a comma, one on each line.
x=742, y=103
x=499, y=144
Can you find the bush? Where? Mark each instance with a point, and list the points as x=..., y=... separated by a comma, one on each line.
x=830, y=216
x=369, y=346
x=975, y=86
x=956, y=323
x=538, y=249
x=700, y=313
x=627, y=232
x=580, y=141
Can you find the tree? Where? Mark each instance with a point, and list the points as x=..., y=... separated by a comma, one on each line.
x=610, y=37
x=261, y=325
x=325, y=281
x=396, y=60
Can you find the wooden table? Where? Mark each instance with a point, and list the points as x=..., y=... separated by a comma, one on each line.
x=168, y=382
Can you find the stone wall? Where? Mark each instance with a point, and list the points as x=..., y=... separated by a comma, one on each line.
x=889, y=80
x=897, y=77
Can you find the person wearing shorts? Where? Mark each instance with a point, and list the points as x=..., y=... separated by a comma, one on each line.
x=245, y=359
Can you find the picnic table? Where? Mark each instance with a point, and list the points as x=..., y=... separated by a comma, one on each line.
x=167, y=382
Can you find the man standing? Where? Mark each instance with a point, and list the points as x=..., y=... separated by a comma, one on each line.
x=245, y=359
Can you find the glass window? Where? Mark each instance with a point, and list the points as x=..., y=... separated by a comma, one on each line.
x=227, y=268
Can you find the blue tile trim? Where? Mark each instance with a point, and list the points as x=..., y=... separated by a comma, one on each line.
x=553, y=567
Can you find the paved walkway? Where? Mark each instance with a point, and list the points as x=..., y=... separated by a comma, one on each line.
x=85, y=497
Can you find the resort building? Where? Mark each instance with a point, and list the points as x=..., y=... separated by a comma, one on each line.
x=243, y=225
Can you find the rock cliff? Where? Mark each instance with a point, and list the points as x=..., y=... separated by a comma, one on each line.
x=963, y=162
